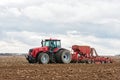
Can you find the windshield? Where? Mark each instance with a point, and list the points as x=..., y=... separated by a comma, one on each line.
x=52, y=43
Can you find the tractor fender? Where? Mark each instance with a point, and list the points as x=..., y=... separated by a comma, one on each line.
x=39, y=53
x=60, y=49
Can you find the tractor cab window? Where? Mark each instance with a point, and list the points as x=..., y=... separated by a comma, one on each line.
x=52, y=43
x=46, y=43
x=58, y=43
x=55, y=44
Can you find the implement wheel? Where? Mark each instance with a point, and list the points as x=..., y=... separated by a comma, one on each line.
x=89, y=61
x=102, y=62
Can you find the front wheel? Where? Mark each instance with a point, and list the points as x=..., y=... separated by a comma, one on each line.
x=43, y=58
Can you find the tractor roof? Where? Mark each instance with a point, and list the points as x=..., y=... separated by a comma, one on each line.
x=51, y=39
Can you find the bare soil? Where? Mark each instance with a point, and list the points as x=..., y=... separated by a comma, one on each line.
x=17, y=68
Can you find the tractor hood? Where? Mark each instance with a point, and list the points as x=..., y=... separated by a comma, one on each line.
x=35, y=51
x=41, y=49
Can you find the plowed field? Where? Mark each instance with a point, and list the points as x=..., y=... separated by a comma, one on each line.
x=17, y=68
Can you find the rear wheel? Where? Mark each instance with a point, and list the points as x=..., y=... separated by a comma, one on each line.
x=102, y=62
x=89, y=61
x=108, y=61
x=92, y=61
x=43, y=58
x=63, y=56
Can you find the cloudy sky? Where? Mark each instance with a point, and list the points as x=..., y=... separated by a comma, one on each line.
x=24, y=23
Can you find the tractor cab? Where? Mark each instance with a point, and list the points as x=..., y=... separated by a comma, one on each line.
x=51, y=43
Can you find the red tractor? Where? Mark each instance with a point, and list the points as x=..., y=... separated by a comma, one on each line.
x=49, y=52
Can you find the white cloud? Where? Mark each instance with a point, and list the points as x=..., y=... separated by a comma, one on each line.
x=10, y=12
x=74, y=11
x=10, y=2
x=42, y=14
x=23, y=41
x=13, y=47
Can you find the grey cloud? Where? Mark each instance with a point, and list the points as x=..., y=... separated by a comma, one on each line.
x=71, y=15
x=98, y=30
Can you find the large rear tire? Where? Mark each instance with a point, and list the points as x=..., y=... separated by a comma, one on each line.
x=63, y=56
x=43, y=58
